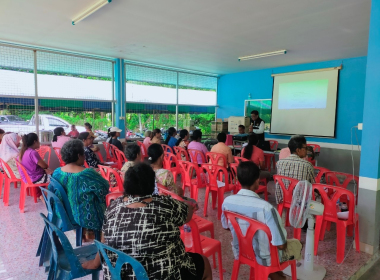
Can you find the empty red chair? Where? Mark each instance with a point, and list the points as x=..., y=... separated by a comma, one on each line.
x=112, y=196
x=312, y=161
x=120, y=156
x=319, y=174
x=342, y=180
x=239, y=159
x=144, y=152
x=270, y=161
x=204, y=245
x=27, y=184
x=216, y=158
x=181, y=153
x=195, y=155
x=273, y=145
x=287, y=192
x=316, y=148
x=191, y=177
x=58, y=153
x=171, y=163
x=216, y=186
x=247, y=254
x=8, y=180
x=106, y=172
x=330, y=215
x=167, y=148
x=42, y=152
x=109, y=153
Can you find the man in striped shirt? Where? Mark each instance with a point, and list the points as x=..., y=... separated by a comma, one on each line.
x=295, y=166
x=246, y=202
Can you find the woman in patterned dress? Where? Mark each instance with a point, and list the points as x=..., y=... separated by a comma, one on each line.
x=146, y=227
x=183, y=141
x=85, y=188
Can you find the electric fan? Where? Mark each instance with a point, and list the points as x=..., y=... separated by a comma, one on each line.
x=303, y=208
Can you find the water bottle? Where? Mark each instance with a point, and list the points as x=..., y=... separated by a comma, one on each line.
x=188, y=240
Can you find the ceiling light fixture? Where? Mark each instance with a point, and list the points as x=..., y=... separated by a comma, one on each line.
x=261, y=55
x=90, y=11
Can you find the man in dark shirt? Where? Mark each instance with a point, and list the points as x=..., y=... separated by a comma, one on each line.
x=258, y=125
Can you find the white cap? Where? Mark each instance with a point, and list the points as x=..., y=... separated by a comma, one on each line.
x=115, y=129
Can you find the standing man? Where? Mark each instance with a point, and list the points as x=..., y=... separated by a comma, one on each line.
x=258, y=125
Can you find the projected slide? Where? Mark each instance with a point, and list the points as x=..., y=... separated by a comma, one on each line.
x=303, y=95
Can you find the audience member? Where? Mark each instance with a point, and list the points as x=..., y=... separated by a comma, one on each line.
x=59, y=137
x=9, y=152
x=156, y=136
x=35, y=166
x=146, y=227
x=85, y=188
x=90, y=156
x=133, y=154
x=295, y=166
x=114, y=134
x=241, y=129
x=93, y=147
x=197, y=145
x=147, y=139
x=284, y=153
x=170, y=139
x=74, y=133
x=2, y=133
x=246, y=202
x=223, y=149
x=183, y=139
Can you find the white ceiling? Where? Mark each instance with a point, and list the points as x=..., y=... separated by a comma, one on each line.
x=202, y=35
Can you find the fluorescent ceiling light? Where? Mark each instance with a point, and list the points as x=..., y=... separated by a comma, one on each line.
x=90, y=11
x=261, y=55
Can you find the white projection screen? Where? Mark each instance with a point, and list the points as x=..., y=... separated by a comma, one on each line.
x=305, y=103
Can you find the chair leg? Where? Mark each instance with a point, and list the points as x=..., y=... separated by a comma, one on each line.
x=297, y=233
x=79, y=232
x=213, y=260
x=206, y=201
x=341, y=242
x=7, y=186
x=318, y=227
x=214, y=197
x=350, y=230
x=252, y=273
x=220, y=201
x=235, y=270
x=95, y=275
x=357, y=240
x=15, y=184
x=22, y=198
x=294, y=270
x=266, y=193
x=287, y=223
x=212, y=231
x=328, y=226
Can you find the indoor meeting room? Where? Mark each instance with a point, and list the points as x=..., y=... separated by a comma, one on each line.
x=190, y=140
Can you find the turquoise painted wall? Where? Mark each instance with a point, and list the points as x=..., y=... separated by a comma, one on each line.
x=233, y=89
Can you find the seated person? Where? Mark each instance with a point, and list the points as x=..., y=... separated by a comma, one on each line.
x=9, y=152
x=284, y=153
x=241, y=129
x=35, y=166
x=59, y=137
x=147, y=139
x=183, y=140
x=156, y=136
x=146, y=227
x=88, y=128
x=2, y=133
x=114, y=134
x=85, y=188
x=295, y=166
x=74, y=133
x=246, y=202
x=197, y=145
x=90, y=156
x=133, y=155
x=170, y=139
x=223, y=149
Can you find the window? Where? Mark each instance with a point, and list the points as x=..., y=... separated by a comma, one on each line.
x=56, y=122
x=196, y=89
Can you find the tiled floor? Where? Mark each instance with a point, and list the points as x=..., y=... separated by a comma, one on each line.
x=20, y=235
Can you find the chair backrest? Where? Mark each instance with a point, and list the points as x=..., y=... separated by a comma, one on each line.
x=312, y=161
x=287, y=185
x=340, y=179
x=216, y=173
x=170, y=161
x=194, y=156
x=229, y=140
x=6, y=167
x=164, y=191
x=273, y=145
x=330, y=195
x=99, y=155
x=181, y=152
x=106, y=172
x=240, y=159
x=167, y=148
x=144, y=152
x=245, y=240
x=58, y=153
x=316, y=147
x=109, y=154
x=234, y=179
x=122, y=258
x=61, y=246
x=112, y=196
x=319, y=172
x=197, y=247
x=188, y=170
x=121, y=158
x=216, y=158
x=42, y=152
x=23, y=173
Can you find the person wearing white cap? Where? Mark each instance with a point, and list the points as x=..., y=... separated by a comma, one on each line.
x=115, y=133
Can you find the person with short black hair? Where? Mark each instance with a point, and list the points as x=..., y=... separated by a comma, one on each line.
x=223, y=149
x=170, y=139
x=197, y=145
x=146, y=227
x=248, y=203
x=133, y=155
x=295, y=166
x=258, y=125
x=241, y=129
x=85, y=188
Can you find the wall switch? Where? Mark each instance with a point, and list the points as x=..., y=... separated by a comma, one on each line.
x=360, y=126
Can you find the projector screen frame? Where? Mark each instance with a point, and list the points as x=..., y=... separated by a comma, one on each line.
x=336, y=102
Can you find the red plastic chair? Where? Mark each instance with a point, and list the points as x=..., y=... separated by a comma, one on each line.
x=330, y=215
x=239, y=159
x=99, y=155
x=229, y=140
x=120, y=156
x=217, y=159
x=171, y=163
x=58, y=153
x=342, y=180
x=269, y=161
x=287, y=192
x=319, y=172
x=42, y=152
x=106, y=172
x=181, y=152
x=247, y=254
x=109, y=154
x=167, y=148
x=86, y=164
x=273, y=145
x=112, y=196
x=312, y=161
x=8, y=180
x=215, y=173
x=204, y=245
x=144, y=152
x=316, y=148
x=191, y=177
x=25, y=185
x=194, y=156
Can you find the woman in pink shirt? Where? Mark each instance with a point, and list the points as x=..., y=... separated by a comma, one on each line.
x=146, y=142
x=197, y=145
x=255, y=154
x=59, y=138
